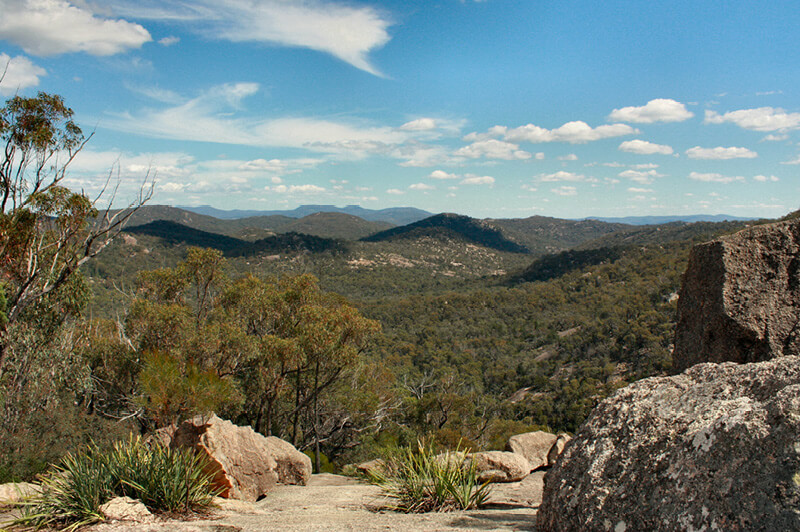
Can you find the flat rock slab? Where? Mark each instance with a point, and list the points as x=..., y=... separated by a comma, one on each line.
x=333, y=502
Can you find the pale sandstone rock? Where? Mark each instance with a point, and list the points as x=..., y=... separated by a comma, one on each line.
x=500, y=466
x=534, y=446
x=715, y=448
x=125, y=509
x=246, y=465
x=13, y=492
x=740, y=298
x=557, y=448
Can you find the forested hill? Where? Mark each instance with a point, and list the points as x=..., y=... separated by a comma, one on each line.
x=542, y=234
x=454, y=226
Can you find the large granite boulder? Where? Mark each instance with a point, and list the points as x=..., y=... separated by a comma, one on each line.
x=499, y=466
x=246, y=465
x=715, y=448
x=534, y=446
x=740, y=299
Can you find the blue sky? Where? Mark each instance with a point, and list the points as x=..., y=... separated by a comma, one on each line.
x=493, y=108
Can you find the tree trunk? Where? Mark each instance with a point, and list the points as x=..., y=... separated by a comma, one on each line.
x=317, y=461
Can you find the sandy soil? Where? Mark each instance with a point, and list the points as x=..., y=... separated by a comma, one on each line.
x=336, y=503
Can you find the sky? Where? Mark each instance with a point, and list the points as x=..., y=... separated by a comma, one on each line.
x=491, y=108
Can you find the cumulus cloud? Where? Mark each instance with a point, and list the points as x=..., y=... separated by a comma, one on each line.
x=764, y=178
x=420, y=124
x=441, y=174
x=477, y=180
x=759, y=119
x=565, y=191
x=715, y=178
x=796, y=160
x=493, y=149
x=577, y=132
x=658, y=110
x=568, y=157
x=20, y=73
x=395, y=192
x=646, y=177
x=169, y=41
x=644, y=147
x=296, y=189
x=421, y=186
x=720, y=153
x=637, y=190
x=561, y=176
x=52, y=27
x=347, y=32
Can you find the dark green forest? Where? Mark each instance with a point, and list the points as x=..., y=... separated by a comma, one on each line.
x=345, y=337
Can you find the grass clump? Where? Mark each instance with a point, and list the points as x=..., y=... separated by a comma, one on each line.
x=420, y=480
x=164, y=479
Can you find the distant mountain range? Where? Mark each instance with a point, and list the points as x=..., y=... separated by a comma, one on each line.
x=657, y=220
x=394, y=215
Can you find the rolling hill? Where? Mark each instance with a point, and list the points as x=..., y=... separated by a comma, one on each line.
x=454, y=226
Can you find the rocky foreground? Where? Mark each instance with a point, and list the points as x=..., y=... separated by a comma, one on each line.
x=337, y=503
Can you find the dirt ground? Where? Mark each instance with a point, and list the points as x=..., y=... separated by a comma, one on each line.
x=336, y=503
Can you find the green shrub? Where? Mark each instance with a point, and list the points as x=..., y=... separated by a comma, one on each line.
x=422, y=481
x=163, y=479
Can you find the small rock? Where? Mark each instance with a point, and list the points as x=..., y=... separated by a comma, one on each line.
x=534, y=446
x=557, y=448
x=125, y=509
x=16, y=491
x=370, y=467
x=500, y=466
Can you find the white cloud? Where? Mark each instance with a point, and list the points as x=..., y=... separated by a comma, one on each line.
x=642, y=177
x=441, y=174
x=644, y=147
x=420, y=124
x=296, y=189
x=561, y=175
x=637, y=190
x=565, y=191
x=720, y=153
x=477, y=180
x=759, y=119
x=764, y=178
x=796, y=160
x=775, y=138
x=658, y=110
x=395, y=192
x=539, y=156
x=715, y=178
x=169, y=41
x=347, y=32
x=421, y=186
x=493, y=149
x=207, y=118
x=20, y=73
x=576, y=132
x=52, y=27
x=568, y=157
x=273, y=165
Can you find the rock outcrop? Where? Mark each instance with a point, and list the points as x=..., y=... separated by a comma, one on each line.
x=534, y=446
x=740, y=299
x=715, y=448
x=557, y=448
x=125, y=509
x=246, y=465
x=13, y=492
x=499, y=466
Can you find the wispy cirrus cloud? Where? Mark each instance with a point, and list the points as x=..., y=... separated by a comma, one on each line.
x=347, y=32
x=53, y=27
